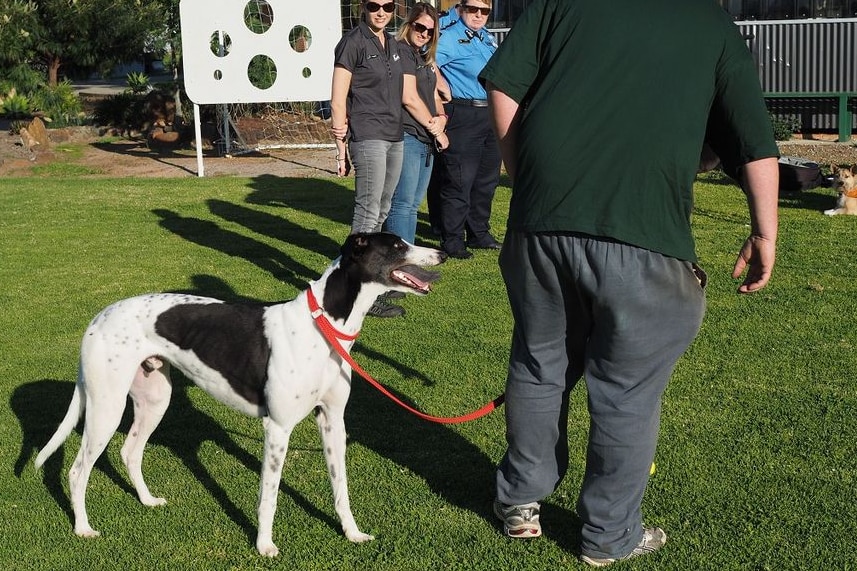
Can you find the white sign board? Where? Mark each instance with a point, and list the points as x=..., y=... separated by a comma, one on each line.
x=226, y=42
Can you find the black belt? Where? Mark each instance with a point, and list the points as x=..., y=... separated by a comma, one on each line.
x=470, y=102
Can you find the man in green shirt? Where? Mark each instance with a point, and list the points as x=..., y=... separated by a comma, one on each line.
x=601, y=109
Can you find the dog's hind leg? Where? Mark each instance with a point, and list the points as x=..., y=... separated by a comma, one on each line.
x=103, y=415
x=331, y=424
x=276, y=445
x=150, y=393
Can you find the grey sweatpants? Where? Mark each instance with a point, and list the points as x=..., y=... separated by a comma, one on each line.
x=618, y=316
x=377, y=166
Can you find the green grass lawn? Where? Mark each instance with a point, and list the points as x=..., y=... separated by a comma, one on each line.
x=756, y=463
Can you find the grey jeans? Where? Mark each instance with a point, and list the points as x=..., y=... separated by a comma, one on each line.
x=377, y=166
x=618, y=316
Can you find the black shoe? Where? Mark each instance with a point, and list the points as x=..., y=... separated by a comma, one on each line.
x=490, y=244
x=461, y=254
x=383, y=308
x=395, y=294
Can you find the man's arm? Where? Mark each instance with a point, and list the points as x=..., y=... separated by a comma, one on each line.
x=761, y=185
x=504, y=115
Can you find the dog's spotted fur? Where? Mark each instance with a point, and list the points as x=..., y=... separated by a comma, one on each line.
x=265, y=361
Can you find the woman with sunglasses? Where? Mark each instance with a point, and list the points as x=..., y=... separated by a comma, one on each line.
x=366, y=113
x=424, y=121
x=470, y=170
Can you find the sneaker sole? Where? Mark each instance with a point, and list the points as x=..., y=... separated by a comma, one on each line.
x=531, y=531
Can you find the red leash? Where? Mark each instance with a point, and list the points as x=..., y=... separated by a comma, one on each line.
x=333, y=335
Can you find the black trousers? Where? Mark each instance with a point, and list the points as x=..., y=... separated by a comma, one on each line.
x=469, y=171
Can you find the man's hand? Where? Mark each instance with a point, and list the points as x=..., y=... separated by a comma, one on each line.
x=757, y=257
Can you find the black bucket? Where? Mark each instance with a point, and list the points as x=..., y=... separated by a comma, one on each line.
x=797, y=174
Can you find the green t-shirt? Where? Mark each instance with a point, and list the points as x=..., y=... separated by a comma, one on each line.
x=615, y=98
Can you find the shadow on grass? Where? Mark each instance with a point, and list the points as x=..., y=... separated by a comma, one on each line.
x=183, y=430
x=318, y=197
x=818, y=199
x=453, y=467
x=141, y=149
x=322, y=198
x=280, y=265
x=275, y=227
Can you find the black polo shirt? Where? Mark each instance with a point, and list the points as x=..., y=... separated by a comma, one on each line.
x=374, y=103
x=414, y=64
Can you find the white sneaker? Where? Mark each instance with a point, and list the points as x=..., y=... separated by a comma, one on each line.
x=519, y=522
x=653, y=539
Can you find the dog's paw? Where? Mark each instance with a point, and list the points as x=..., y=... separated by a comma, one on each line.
x=831, y=212
x=267, y=548
x=153, y=502
x=358, y=536
x=87, y=532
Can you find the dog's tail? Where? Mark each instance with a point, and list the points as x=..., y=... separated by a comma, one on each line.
x=75, y=411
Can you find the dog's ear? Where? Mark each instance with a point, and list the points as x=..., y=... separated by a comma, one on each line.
x=354, y=245
x=834, y=169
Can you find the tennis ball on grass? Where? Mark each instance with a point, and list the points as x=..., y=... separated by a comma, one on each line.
x=652, y=470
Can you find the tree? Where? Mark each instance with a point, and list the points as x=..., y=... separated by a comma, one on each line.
x=18, y=22
x=95, y=34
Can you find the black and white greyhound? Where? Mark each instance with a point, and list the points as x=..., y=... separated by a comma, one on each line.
x=268, y=361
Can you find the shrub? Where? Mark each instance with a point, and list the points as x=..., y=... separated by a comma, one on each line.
x=60, y=104
x=123, y=111
x=138, y=82
x=16, y=126
x=15, y=105
x=785, y=126
x=21, y=77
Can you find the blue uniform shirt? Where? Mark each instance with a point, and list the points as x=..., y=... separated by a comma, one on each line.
x=447, y=18
x=461, y=55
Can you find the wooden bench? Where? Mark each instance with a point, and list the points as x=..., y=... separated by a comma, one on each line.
x=845, y=102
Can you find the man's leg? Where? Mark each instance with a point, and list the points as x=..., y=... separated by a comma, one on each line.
x=647, y=309
x=544, y=364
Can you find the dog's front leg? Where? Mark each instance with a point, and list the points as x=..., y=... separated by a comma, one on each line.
x=276, y=445
x=331, y=425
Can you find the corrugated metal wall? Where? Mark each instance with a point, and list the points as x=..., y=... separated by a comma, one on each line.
x=800, y=56
x=804, y=55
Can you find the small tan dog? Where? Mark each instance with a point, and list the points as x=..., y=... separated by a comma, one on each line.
x=845, y=183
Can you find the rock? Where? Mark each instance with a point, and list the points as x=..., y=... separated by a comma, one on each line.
x=27, y=140
x=39, y=132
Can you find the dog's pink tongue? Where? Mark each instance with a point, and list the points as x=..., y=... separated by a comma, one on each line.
x=415, y=277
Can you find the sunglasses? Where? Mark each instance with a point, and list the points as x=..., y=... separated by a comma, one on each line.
x=374, y=7
x=420, y=29
x=474, y=9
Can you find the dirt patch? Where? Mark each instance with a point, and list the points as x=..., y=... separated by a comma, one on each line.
x=107, y=156
x=110, y=156
x=823, y=152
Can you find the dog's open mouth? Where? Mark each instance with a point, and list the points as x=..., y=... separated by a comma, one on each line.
x=415, y=277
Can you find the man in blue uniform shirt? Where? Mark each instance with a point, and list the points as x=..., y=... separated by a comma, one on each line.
x=470, y=168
